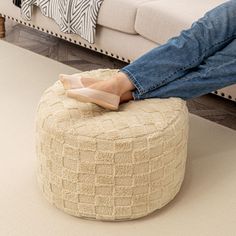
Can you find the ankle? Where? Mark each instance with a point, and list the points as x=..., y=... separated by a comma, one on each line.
x=126, y=97
x=123, y=83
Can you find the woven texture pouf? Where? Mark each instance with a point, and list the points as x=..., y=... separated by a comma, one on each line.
x=110, y=165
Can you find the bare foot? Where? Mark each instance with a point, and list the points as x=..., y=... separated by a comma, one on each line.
x=72, y=81
x=87, y=81
x=118, y=85
x=117, y=90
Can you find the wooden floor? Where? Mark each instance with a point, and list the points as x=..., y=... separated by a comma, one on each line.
x=209, y=106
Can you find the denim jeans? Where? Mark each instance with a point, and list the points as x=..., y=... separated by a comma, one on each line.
x=200, y=60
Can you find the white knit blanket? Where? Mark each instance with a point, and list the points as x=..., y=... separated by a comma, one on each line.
x=73, y=16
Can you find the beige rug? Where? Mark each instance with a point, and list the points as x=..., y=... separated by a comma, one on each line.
x=205, y=205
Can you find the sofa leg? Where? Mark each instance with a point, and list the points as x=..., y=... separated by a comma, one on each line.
x=2, y=27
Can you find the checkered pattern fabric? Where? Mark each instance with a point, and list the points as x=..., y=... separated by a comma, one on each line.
x=110, y=165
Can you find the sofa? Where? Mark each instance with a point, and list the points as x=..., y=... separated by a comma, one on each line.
x=126, y=29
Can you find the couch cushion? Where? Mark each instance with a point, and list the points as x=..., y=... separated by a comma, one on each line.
x=160, y=20
x=119, y=14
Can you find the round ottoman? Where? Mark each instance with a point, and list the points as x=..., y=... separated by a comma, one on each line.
x=110, y=165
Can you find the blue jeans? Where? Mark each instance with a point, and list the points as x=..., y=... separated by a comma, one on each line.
x=200, y=60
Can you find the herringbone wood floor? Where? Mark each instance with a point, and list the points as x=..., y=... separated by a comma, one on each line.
x=209, y=106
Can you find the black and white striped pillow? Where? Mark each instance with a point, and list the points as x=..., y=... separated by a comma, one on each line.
x=17, y=2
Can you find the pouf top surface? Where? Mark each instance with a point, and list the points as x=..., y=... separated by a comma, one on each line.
x=133, y=119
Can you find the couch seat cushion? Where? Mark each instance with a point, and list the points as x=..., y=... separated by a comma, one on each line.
x=119, y=14
x=160, y=20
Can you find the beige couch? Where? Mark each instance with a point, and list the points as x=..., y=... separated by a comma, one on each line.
x=128, y=28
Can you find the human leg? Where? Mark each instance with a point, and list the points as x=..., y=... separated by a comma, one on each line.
x=215, y=72
x=180, y=54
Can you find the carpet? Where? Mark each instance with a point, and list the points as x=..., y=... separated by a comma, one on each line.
x=205, y=205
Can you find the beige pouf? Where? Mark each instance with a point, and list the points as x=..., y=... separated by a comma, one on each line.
x=110, y=165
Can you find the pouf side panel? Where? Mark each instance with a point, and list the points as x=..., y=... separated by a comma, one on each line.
x=70, y=203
